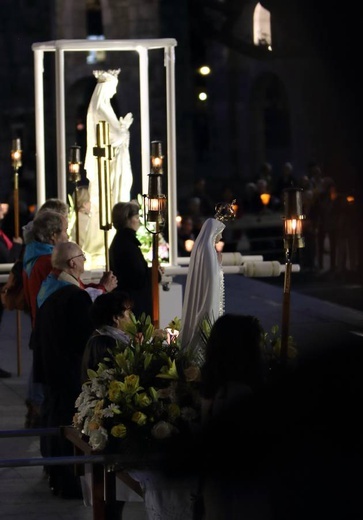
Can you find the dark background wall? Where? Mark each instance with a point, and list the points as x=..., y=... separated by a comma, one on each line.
x=301, y=102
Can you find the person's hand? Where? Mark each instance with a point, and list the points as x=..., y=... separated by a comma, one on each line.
x=109, y=281
x=17, y=240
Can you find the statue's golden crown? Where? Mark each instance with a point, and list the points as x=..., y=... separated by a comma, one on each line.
x=225, y=212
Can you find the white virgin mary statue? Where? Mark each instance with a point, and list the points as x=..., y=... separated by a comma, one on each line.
x=100, y=109
x=204, y=289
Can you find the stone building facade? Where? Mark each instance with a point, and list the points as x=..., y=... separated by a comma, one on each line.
x=262, y=106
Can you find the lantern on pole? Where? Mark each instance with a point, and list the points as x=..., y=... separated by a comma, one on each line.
x=154, y=211
x=293, y=240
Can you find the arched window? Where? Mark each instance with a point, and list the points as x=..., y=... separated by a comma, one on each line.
x=262, y=27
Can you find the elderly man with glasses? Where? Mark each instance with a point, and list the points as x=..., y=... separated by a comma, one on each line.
x=61, y=331
x=68, y=266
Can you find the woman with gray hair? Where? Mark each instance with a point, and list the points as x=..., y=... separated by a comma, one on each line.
x=52, y=204
x=48, y=228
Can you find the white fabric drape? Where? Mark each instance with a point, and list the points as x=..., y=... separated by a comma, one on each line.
x=204, y=290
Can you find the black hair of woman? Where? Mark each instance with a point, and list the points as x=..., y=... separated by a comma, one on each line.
x=233, y=353
x=108, y=306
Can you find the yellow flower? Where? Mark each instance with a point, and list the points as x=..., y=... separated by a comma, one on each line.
x=139, y=418
x=99, y=406
x=119, y=431
x=131, y=384
x=115, y=391
x=142, y=400
x=94, y=425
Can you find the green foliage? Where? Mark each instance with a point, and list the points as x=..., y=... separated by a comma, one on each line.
x=143, y=392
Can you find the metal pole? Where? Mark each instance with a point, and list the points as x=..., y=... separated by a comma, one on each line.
x=17, y=234
x=18, y=342
x=107, y=256
x=104, y=153
x=76, y=212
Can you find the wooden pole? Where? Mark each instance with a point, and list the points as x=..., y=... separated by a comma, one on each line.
x=16, y=204
x=16, y=235
x=286, y=313
x=155, y=278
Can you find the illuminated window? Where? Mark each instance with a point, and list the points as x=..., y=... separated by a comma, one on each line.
x=95, y=56
x=262, y=27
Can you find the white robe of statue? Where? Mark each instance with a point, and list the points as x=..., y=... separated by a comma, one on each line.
x=100, y=109
x=204, y=289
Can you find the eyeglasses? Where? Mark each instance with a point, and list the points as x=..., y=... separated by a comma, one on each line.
x=77, y=256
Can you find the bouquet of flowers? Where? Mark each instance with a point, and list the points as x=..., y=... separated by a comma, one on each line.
x=144, y=391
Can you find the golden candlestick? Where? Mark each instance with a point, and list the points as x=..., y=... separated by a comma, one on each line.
x=16, y=155
x=104, y=153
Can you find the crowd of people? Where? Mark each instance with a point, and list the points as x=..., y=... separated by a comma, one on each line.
x=74, y=325
x=329, y=227
x=237, y=453
x=59, y=304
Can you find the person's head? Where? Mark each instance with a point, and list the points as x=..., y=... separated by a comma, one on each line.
x=266, y=170
x=68, y=257
x=112, y=309
x=83, y=199
x=187, y=225
x=50, y=227
x=287, y=169
x=126, y=215
x=4, y=208
x=233, y=353
x=262, y=186
x=56, y=205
